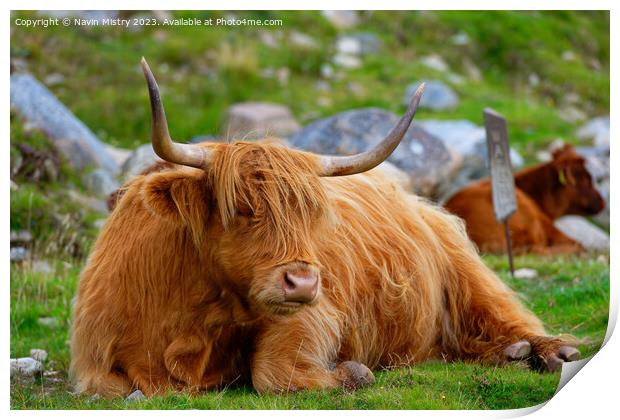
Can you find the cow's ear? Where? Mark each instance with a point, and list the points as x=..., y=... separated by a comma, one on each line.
x=180, y=196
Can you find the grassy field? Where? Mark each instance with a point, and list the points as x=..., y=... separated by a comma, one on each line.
x=530, y=66
x=571, y=295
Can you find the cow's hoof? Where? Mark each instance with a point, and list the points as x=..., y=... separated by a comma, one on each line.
x=549, y=354
x=518, y=351
x=354, y=375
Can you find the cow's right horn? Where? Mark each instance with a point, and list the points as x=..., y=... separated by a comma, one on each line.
x=182, y=154
x=355, y=164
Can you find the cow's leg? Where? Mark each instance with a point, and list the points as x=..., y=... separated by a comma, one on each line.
x=300, y=352
x=186, y=359
x=494, y=326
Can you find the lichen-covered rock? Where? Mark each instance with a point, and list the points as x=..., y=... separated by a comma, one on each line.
x=257, y=120
x=437, y=95
x=41, y=109
x=581, y=230
x=429, y=164
x=25, y=368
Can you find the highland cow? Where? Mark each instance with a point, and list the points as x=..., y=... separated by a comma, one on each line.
x=543, y=192
x=255, y=263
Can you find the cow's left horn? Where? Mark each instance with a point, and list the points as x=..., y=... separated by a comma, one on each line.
x=182, y=154
x=349, y=165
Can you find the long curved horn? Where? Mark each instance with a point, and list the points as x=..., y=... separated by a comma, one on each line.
x=349, y=165
x=182, y=154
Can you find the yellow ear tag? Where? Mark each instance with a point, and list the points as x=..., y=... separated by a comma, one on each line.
x=562, y=177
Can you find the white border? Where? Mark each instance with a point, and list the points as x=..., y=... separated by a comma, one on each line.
x=591, y=394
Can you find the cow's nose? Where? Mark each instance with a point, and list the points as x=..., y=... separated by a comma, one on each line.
x=300, y=286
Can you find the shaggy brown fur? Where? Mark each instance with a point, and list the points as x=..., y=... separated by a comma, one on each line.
x=183, y=287
x=543, y=192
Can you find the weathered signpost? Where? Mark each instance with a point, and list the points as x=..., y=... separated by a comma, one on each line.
x=500, y=169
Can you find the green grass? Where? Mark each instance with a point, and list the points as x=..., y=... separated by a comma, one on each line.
x=571, y=295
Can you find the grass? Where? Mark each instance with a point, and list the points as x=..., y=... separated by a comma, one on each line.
x=571, y=295
x=202, y=71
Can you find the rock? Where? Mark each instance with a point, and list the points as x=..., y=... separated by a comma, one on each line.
x=437, y=96
x=140, y=159
x=435, y=62
x=327, y=71
x=99, y=223
x=48, y=321
x=21, y=237
x=14, y=186
x=347, y=61
x=41, y=267
x=584, y=232
x=569, y=55
x=19, y=253
x=135, y=396
x=25, y=368
x=119, y=154
x=54, y=79
x=91, y=203
x=460, y=39
x=425, y=159
x=256, y=120
x=40, y=108
x=361, y=43
x=597, y=130
x=100, y=182
x=341, y=19
x=38, y=354
x=571, y=114
x=302, y=40
x=469, y=141
x=526, y=273
x=533, y=79
x=597, y=163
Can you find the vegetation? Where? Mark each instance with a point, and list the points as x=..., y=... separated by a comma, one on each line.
x=531, y=66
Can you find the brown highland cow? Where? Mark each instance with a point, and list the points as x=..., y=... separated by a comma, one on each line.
x=255, y=263
x=544, y=192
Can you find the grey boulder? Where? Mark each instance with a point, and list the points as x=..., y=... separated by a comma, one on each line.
x=427, y=161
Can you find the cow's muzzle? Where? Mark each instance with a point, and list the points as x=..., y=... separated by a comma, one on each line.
x=300, y=284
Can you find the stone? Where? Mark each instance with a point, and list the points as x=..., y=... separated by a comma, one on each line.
x=135, y=396
x=100, y=182
x=526, y=273
x=21, y=237
x=468, y=140
x=38, y=354
x=460, y=39
x=581, y=230
x=25, y=368
x=119, y=154
x=257, y=120
x=41, y=109
x=358, y=44
x=91, y=203
x=54, y=79
x=571, y=114
x=48, y=321
x=302, y=40
x=41, y=267
x=428, y=163
x=140, y=159
x=347, y=61
x=597, y=130
x=435, y=62
x=19, y=254
x=437, y=96
x=341, y=19
x=597, y=163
